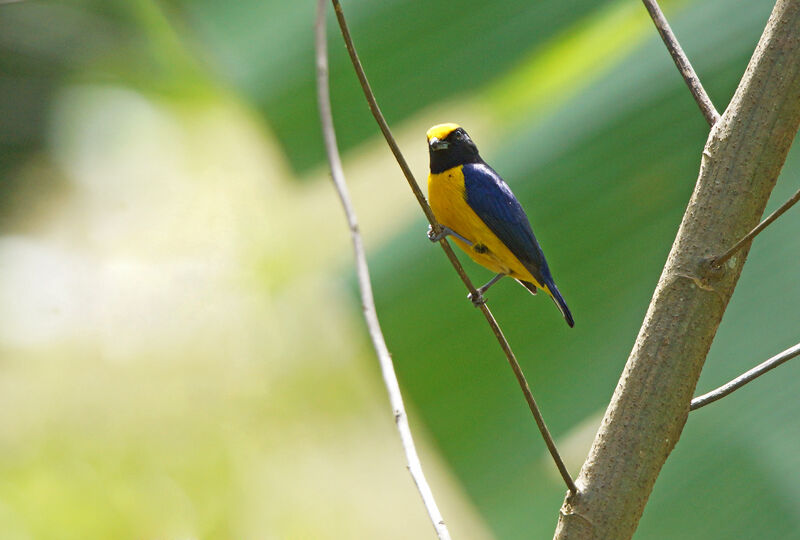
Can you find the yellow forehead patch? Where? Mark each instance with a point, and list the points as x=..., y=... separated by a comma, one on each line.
x=441, y=131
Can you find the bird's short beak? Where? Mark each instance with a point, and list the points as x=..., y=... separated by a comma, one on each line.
x=438, y=144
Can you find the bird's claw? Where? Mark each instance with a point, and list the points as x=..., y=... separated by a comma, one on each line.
x=433, y=237
x=477, y=299
x=444, y=232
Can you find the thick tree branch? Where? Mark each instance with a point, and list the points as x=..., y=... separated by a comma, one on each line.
x=746, y=377
x=365, y=286
x=682, y=62
x=498, y=333
x=741, y=162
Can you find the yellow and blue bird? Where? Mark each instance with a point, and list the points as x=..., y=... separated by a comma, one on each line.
x=476, y=207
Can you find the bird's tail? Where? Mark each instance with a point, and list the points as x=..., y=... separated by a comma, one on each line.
x=561, y=304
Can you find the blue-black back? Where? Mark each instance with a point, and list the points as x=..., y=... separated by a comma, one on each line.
x=492, y=200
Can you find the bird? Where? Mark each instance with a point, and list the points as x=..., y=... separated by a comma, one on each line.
x=474, y=206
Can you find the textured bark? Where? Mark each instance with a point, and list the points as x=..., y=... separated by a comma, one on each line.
x=740, y=165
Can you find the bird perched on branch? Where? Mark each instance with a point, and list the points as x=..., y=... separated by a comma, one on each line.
x=477, y=209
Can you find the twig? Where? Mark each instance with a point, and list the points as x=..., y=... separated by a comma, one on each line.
x=512, y=360
x=744, y=378
x=682, y=62
x=719, y=261
x=368, y=303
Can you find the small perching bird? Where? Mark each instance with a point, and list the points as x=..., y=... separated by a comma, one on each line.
x=477, y=208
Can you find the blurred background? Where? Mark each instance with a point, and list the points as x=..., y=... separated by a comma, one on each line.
x=181, y=348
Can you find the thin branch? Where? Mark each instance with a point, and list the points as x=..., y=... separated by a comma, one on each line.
x=368, y=303
x=682, y=62
x=744, y=378
x=376, y=112
x=512, y=360
x=746, y=239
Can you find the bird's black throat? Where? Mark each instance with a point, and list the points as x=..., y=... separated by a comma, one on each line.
x=460, y=151
x=441, y=160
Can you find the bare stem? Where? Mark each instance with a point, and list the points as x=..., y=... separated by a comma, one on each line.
x=746, y=239
x=682, y=62
x=512, y=360
x=368, y=303
x=744, y=378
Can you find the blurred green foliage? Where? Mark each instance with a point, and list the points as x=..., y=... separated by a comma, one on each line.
x=597, y=135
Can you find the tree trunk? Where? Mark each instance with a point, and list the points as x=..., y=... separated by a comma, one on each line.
x=740, y=165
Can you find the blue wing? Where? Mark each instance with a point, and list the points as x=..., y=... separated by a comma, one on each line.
x=492, y=200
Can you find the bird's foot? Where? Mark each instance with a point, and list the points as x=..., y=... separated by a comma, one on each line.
x=477, y=299
x=445, y=232
x=433, y=237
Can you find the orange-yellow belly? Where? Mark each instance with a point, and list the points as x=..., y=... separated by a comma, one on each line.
x=449, y=205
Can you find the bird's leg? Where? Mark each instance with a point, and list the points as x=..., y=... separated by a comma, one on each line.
x=478, y=300
x=445, y=231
